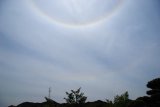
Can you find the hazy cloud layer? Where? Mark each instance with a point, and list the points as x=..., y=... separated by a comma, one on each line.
x=117, y=55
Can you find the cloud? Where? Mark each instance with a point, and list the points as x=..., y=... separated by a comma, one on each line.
x=120, y=54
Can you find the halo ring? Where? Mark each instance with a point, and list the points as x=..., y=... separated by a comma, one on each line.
x=70, y=24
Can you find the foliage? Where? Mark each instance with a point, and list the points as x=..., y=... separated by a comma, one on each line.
x=137, y=103
x=153, y=98
x=109, y=103
x=122, y=100
x=154, y=84
x=154, y=93
x=75, y=97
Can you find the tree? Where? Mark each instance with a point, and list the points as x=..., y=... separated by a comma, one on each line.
x=75, y=97
x=154, y=84
x=154, y=93
x=109, y=103
x=122, y=100
x=137, y=103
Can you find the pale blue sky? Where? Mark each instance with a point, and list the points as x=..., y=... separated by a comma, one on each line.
x=105, y=47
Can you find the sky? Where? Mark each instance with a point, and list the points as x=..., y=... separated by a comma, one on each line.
x=106, y=47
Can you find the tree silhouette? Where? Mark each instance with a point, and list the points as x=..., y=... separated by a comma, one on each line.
x=154, y=93
x=109, y=103
x=154, y=84
x=75, y=97
x=122, y=100
x=137, y=103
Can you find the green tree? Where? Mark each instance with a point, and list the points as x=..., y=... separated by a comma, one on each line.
x=122, y=100
x=75, y=97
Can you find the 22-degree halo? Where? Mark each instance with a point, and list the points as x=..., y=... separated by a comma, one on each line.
x=90, y=20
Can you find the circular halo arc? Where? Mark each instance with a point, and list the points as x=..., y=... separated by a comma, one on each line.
x=73, y=25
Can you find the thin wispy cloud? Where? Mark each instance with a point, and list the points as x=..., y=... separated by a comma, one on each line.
x=118, y=54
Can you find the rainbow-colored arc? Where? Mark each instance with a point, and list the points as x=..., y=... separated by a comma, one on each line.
x=93, y=22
